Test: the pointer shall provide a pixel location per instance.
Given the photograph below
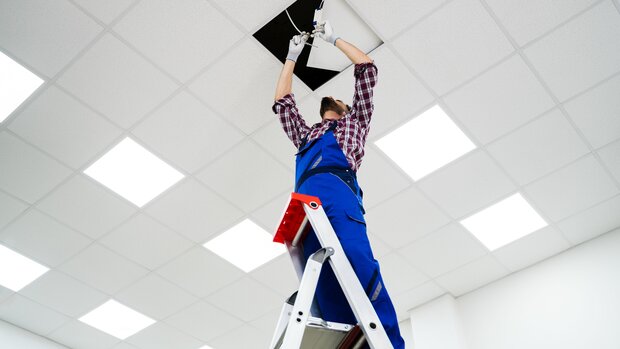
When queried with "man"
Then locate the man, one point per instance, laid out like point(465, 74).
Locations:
point(329, 154)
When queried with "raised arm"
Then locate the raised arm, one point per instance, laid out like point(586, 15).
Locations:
point(285, 82)
point(326, 32)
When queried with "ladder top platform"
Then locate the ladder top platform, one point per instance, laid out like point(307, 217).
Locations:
point(294, 217)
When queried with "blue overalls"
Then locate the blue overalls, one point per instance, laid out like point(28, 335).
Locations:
point(322, 170)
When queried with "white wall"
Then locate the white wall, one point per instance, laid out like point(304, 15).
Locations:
point(12, 337)
point(570, 301)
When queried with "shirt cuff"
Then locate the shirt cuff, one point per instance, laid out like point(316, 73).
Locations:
point(362, 67)
point(286, 101)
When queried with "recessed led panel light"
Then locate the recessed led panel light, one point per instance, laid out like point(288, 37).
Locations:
point(426, 143)
point(246, 245)
point(133, 172)
point(16, 84)
point(117, 320)
point(17, 271)
point(504, 222)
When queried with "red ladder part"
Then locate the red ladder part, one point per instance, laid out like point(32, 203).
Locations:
point(294, 216)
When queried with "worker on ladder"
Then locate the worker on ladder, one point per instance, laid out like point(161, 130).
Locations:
point(329, 155)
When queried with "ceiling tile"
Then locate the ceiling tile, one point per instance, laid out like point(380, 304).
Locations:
point(246, 299)
point(194, 211)
point(592, 222)
point(26, 172)
point(64, 294)
point(379, 179)
point(252, 14)
point(398, 275)
point(597, 113)
point(43, 239)
point(405, 218)
point(10, 208)
point(105, 10)
point(77, 334)
point(527, 20)
point(443, 250)
point(267, 322)
point(200, 272)
point(580, 53)
point(46, 35)
point(247, 176)
point(5, 293)
point(103, 269)
point(154, 28)
point(610, 155)
point(87, 207)
point(162, 336)
point(379, 247)
point(415, 297)
point(187, 133)
point(22, 312)
point(155, 297)
point(269, 215)
point(279, 275)
point(472, 276)
point(245, 336)
point(468, 184)
point(273, 140)
point(572, 189)
point(462, 40)
point(204, 321)
point(146, 242)
point(499, 100)
point(539, 148)
point(65, 128)
point(116, 81)
point(531, 249)
point(123, 345)
point(392, 16)
point(245, 87)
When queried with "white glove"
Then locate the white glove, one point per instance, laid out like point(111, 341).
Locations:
point(325, 31)
point(295, 46)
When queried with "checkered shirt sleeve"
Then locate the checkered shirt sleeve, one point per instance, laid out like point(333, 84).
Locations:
point(362, 105)
point(291, 120)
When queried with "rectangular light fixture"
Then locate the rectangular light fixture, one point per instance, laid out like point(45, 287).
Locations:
point(504, 222)
point(246, 245)
point(426, 143)
point(133, 172)
point(16, 84)
point(17, 271)
point(117, 320)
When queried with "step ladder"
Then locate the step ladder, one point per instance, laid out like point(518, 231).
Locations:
point(300, 325)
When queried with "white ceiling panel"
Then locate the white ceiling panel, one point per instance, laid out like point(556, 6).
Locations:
point(499, 100)
point(416, 297)
point(581, 53)
point(87, 207)
point(64, 294)
point(155, 297)
point(43, 239)
point(539, 148)
point(64, 128)
point(527, 20)
point(187, 133)
point(472, 276)
point(145, 241)
point(103, 269)
point(31, 316)
point(154, 28)
point(531, 248)
point(398, 275)
point(116, 81)
point(245, 336)
point(273, 140)
point(390, 17)
point(379, 247)
point(251, 14)
point(10, 208)
point(200, 272)
point(453, 45)
point(443, 250)
point(124, 345)
point(405, 218)
point(592, 222)
point(194, 211)
point(279, 275)
point(268, 178)
point(610, 155)
point(76, 334)
point(27, 172)
point(204, 321)
point(246, 299)
point(269, 215)
point(573, 188)
point(468, 184)
point(45, 34)
point(162, 336)
point(5, 293)
point(379, 179)
point(106, 11)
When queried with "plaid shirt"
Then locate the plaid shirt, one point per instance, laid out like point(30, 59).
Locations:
point(351, 130)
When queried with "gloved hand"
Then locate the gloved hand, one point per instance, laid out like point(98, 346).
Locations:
point(295, 46)
point(325, 31)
